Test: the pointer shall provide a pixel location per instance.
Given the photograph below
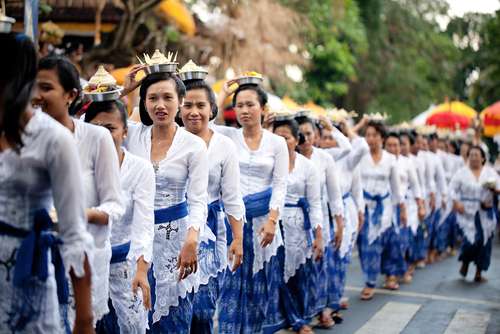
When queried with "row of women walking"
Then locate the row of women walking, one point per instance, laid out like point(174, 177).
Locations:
point(170, 222)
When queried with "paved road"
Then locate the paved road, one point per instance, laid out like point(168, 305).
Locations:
point(438, 301)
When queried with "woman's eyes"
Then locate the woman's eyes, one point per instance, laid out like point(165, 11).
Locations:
point(45, 88)
point(155, 98)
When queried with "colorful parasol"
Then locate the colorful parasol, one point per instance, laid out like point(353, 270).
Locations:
point(491, 120)
point(455, 107)
point(449, 120)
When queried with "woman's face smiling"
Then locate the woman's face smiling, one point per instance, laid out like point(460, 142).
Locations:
point(196, 111)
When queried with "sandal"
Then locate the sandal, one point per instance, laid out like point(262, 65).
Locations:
point(407, 278)
point(391, 284)
point(325, 321)
point(305, 330)
point(367, 293)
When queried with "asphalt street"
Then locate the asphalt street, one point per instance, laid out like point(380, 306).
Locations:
point(439, 301)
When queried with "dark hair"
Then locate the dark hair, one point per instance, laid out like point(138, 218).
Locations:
point(378, 127)
point(96, 108)
point(455, 145)
point(18, 68)
point(393, 134)
point(409, 135)
point(305, 120)
point(294, 129)
point(477, 147)
point(151, 79)
point(261, 94)
point(71, 47)
point(433, 136)
point(201, 84)
point(67, 74)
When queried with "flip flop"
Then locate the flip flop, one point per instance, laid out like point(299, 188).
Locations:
point(367, 294)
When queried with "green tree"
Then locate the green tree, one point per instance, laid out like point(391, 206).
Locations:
point(335, 39)
point(486, 89)
point(410, 63)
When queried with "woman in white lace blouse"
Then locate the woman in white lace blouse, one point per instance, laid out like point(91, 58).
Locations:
point(224, 198)
point(303, 238)
point(180, 161)
point(250, 291)
point(132, 236)
point(58, 82)
point(38, 168)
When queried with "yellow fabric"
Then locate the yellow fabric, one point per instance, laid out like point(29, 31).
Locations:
point(490, 130)
point(314, 108)
point(456, 107)
point(177, 12)
point(121, 73)
point(290, 104)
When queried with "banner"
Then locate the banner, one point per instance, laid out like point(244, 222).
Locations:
point(31, 19)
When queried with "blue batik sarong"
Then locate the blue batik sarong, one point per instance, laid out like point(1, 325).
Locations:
point(479, 253)
point(205, 299)
point(245, 296)
point(179, 317)
point(298, 296)
point(369, 255)
point(31, 270)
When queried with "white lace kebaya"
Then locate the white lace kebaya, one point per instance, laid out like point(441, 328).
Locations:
point(101, 184)
point(181, 176)
point(469, 191)
point(330, 190)
point(380, 179)
point(223, 185)
point(303, 182)
point(259, 170)
point(136, 228)
point(410, 190)
point(46, 172)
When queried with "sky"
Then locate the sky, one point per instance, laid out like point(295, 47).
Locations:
point(459, 7)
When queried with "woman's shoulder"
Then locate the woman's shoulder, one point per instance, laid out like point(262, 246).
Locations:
point(277, 141)
point(138, 164)
point(190, 140)
point(42, 128)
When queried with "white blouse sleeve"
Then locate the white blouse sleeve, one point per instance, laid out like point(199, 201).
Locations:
point(67, 190)
point(441, 179)
point(429, 175)
point(230, 184)
point(413, 181)
point(280, 173)
point(143, 219)
point(197, 195)
point(359, 149)
point(421, 177)
point(343, 145)
point(107, 176)
point(395, 183)
point(357, 190)
point(228, 131)
point(455, 187)
point(313, 195)
point(333, 188)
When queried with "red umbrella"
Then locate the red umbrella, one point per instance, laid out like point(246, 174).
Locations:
point(449, 120)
